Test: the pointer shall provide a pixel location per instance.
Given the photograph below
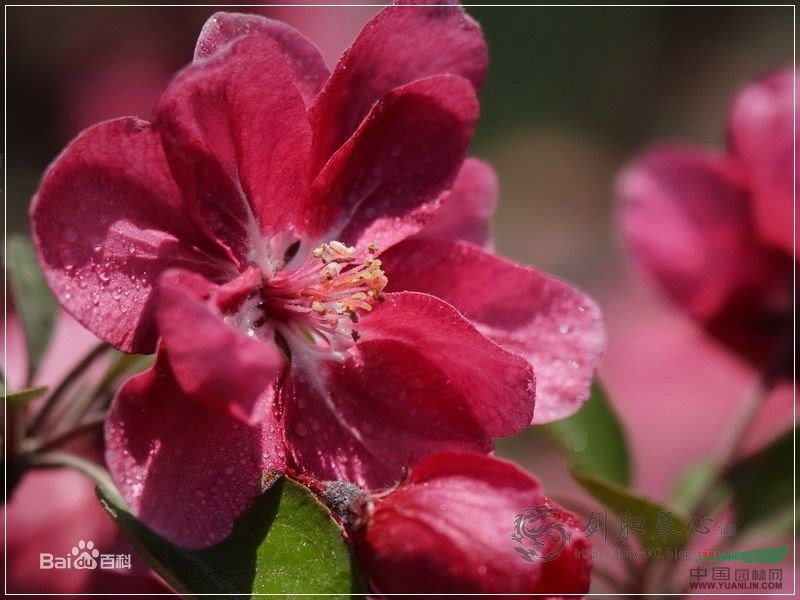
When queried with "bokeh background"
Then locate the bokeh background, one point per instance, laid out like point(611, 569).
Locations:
point(572, 93)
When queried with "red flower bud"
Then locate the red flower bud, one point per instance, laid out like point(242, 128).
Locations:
point(468, 523)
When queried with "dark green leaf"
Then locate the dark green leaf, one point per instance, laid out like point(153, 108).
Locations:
point(662, 527)
point(763, 483)
point(595, 439)
point(32, 299)
point(21, 397)
point(286, 543)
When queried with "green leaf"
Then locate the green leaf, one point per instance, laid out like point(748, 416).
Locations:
point(763, 482)
point(663, 527)
point(595, 439)
point(32, 299)
point(692, 483)
point(21, 397)
point(286, 543)
point(122, 365)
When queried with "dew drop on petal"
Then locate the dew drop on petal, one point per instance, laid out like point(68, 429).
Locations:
point(67, 257)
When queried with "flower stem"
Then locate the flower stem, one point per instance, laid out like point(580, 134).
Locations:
point(90, 423)
point(47, 460)
point(74, 374)
point(726, 455)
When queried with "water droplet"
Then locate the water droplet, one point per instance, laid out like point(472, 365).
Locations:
point(97, 246)
point(563, 328)
point(104, 276)
point(67, 296)
point(68, 258)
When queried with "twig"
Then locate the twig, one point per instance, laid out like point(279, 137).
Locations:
point(88, 424)
point(76, 371)
point(47, 460)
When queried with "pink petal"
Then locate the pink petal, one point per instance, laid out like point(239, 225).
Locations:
point(235, 131)
point(367, 420)
point(304, 58)
point(447, 529)
point(498, 385)
point(421, 379)
point(686, 219)
point(399, 45)
point(762, 138)
point(384, 182)
point(467, 208)
point(187, 470)
point(552, 324)
point(212, 361)
point(107, 219)
point(70, 512)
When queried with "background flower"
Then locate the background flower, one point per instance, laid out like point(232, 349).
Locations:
point(715, 230)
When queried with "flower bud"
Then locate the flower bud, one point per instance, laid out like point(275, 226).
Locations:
point(468, 523)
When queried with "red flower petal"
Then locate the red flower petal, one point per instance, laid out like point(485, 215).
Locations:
point(448, 529)
point(367, 420)
point(762, 138)
point(498, 385)
point(212, 361)
point(686, 218)
point(384, 182)
point(236, 134)
point(421, 379)
point(187, 470)
point(555, 326)
point(399, 45)
point(467, 208)
point(106, 221)
point(304, 58)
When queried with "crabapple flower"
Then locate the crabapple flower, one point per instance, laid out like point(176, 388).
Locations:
point(246, 233)
point(715, 229)
point(467, 523)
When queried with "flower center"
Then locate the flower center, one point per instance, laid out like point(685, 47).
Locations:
point(315, 308)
